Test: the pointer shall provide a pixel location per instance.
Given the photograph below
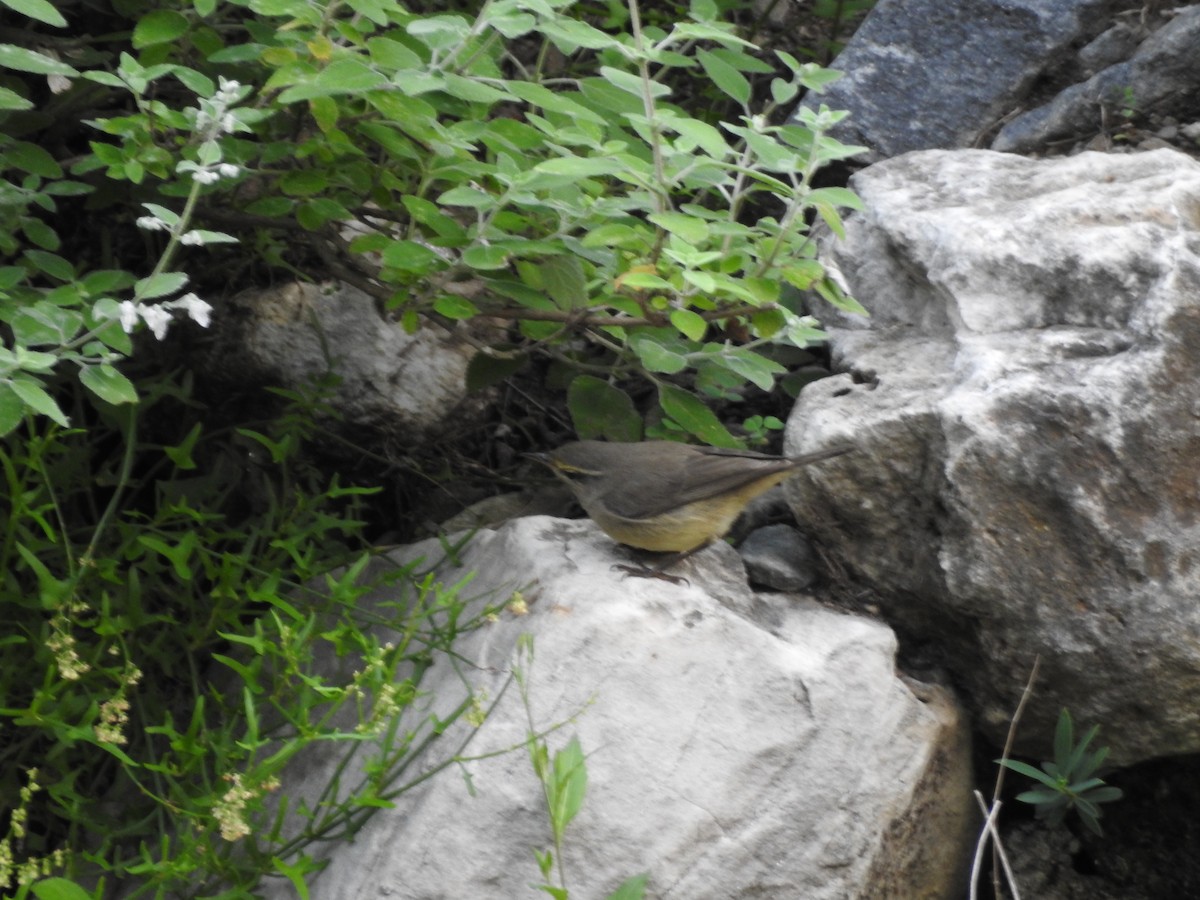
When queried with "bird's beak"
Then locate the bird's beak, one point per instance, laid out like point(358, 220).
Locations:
point(543, 458)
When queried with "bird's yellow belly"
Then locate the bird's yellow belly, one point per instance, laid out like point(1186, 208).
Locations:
point(676, 531)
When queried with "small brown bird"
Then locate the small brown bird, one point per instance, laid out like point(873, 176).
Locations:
point(665, 496)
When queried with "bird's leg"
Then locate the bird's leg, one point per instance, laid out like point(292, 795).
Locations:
point(658, 571)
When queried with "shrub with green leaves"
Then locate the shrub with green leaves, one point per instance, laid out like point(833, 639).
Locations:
point(519, 165)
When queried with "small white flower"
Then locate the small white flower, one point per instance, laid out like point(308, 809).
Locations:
point(198, 311)
point(227, 89)
point(192, 239)
point(152, 223)
point(129, 316)
point(228, 170)
point(157, 318)
point(228, 123)
point(205, 176)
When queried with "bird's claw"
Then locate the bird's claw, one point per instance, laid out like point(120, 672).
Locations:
point(648, 572)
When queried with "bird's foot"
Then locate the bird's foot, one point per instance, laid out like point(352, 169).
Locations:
point(648, 572)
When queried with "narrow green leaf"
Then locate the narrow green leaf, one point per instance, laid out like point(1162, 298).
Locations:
point(633, 84)
point(1028, 770)
point(52, 265)
point(31, 158)
point(580, 166)
point(12, 409)
point(181, 454)
point(1064, 737)
point(36, 398)
point(14, 57)
point(550, 101)
point(41, 10)
point(725, 76)
point(693, 416)
point(11, 100)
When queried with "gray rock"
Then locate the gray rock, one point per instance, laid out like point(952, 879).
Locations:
point(1163, 69)
point(779, 557)
point(1025, 402)
point(925, 74)
point(737, 744)
point(391, 380)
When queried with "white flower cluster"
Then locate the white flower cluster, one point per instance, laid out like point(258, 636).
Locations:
point(213, 117)
point(158, 317)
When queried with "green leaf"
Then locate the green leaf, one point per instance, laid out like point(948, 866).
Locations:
point(756, 369)
point(473, 91)
point(485, 370)
point(162, 26)
point(691, 229)
point(31, 158)
point(161, 285)
point(1028, 770)
point(569, 786)
point(570, 34)
point(693, 416)
point(1064, 737)
point(41, 10)
point(580, 166)
point(108, 384)
point(633, 84)
point(725, 76)
point(36, 398)
point(554, 102)
point(342, 76)
point(600, 410)
point(691, 324)
point(783, 91)
point(631, 888)
point(410, 256)
point(657, 358)
point(11, 100)
point(12, 409)
point(181, 454)
point(59, 888)
point(34, 360)
point(467, 196)
point(564, 282)
point(13, 57)
point(485, 258)
point(52, 265)
point(454, 307)
point(701, 134)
